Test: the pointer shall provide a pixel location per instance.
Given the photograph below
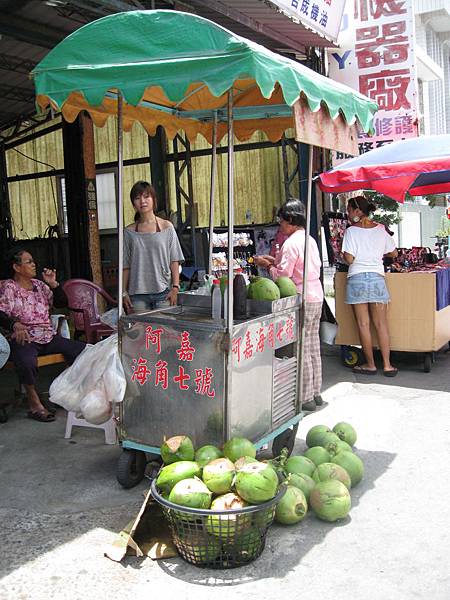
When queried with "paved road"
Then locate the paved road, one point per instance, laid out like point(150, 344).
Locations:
point(60, 506)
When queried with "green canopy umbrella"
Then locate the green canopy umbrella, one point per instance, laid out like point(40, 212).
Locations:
point(174, 69)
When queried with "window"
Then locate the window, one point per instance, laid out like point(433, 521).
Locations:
point(106, 201)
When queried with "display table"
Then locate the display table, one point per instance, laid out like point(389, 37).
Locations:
point(415, 324)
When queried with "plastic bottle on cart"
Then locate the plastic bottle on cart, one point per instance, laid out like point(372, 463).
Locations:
point(216, 300)
point(239, 297)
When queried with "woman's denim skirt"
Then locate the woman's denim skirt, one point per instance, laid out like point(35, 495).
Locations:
point(364, 288)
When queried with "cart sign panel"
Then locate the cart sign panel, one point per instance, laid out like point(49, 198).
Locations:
point(323, 16)
point(377, 59)
point(175, 380)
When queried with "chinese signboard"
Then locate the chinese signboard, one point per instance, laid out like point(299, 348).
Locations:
point(179, 377)
point(377, 59)
point(323, 16)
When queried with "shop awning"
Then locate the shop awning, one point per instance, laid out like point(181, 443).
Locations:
point(174, 69)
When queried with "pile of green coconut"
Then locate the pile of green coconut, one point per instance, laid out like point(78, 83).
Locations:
point(232, 478)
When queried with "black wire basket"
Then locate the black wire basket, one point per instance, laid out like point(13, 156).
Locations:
point(218, 539)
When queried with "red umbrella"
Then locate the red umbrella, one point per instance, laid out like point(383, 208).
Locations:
point(418, 166)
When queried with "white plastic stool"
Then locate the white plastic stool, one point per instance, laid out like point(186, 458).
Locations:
point(109, 427)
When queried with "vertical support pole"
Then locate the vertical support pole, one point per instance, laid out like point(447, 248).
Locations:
point(229, 289)
point(120, 195)
point(212, 192)
point(230, 212)
point(305, 277)
point(191, 203)
point(6, 234)
point(88, 149)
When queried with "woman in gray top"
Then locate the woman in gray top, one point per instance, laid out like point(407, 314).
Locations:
point(152, 254)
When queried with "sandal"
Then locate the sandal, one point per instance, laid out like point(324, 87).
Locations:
point(41, 416)
point(390, 372)
point(362, 371)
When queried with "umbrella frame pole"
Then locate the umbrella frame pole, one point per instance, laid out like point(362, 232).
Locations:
point(229, 289)
point(301, 372)
point(120, 195)
point(212, 191)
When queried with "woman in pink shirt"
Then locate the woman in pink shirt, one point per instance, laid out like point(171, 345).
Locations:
point(289, 263)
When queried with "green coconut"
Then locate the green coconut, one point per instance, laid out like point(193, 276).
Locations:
point(172, 474)
point(326, 471)
point(314, 435)
point(237, 447)
point(206, 454)
point(330, 500)
point(334, 447)
point(244, 460)
point(327, 438)
point(218, 475)
point(352, 464)
point(179, 447)
point(286, 286)
point(292, 507)
point(191, 493)
point(256, 483)
point(302, 482)
point(345, 432)
point(226, 526)
point(318, 455)
point(265, 289)
point(300, 464)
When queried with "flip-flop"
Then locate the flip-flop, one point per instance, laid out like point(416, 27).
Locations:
point(41, 416)
point(362, 371)
point(390, 372)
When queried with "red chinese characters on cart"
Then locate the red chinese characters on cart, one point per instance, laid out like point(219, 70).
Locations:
point(180, 375)
point(245, 346)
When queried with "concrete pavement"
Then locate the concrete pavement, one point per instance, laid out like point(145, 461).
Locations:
point(60, 506)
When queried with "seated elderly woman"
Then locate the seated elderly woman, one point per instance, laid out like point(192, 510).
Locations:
point(25, 304)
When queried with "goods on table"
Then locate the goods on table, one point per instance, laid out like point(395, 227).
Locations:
point(287, 287)
point(263, 288)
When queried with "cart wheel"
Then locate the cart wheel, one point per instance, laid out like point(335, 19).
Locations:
point(131, 468)
point(427, 363)
point(286, 439)
point(351, 356)
point(3, 414)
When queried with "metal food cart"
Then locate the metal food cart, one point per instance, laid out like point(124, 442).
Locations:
point(180, 71)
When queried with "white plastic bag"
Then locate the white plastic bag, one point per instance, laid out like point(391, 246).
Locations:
point(95, 408)
point(97, 367)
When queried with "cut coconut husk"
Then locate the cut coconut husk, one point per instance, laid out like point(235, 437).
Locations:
point(256, 483)
point(179, 447)
point(218, 475)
